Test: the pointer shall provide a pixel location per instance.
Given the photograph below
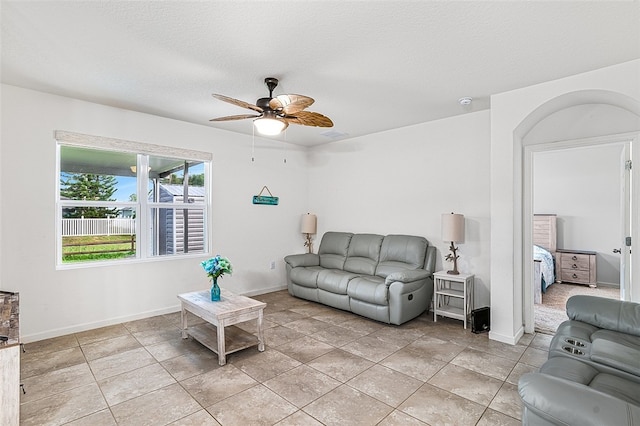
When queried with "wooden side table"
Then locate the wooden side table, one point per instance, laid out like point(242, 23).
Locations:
point(446, 287)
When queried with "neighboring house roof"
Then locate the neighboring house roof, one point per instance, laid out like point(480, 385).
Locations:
point(176, 190)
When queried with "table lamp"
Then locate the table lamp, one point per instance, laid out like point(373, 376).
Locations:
point(453, 230)
point(309, 226)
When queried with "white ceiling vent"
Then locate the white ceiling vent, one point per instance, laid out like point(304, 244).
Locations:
point(334, 134)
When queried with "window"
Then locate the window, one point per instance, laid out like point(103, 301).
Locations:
point(127, 200)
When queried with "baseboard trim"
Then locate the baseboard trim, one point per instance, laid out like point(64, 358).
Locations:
point(511, 340)
point(265, 290)
point(78, 328)
point(28, 338)
point(610, 285)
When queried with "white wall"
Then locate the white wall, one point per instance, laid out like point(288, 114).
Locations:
point(582, 186)
point(56, 302)
point(401, 181)
point(512, 114)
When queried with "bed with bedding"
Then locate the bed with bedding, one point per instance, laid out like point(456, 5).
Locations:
point(544, 253)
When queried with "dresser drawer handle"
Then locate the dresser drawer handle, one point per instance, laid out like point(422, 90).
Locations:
point(574, 266)
point(574, 276)
point(574, 257)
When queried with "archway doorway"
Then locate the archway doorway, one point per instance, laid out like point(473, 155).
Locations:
point(581, 184)
point(570, 114)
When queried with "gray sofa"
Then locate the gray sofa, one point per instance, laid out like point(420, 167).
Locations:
point(592, 376)
point(385, 278)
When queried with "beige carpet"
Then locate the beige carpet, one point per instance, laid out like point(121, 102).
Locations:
point(551, 312)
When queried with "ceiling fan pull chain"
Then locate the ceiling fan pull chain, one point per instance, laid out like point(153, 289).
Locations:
point(253, 143)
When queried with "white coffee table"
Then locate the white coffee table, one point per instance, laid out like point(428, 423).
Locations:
point(231, 309)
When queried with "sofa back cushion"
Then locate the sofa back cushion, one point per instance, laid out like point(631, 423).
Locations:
point(401, 253)
point(333, 249)
point(611, 314)
point(363, 254)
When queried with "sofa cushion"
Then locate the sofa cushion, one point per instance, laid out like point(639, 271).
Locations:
point(617, 350)
point(363, 254)
point(569, 392)
point(611, 314)
point(569, 369)
point(401, 252)
point(306, 276)
point(334, 280)
point(333, 249)
point(617, 387)
point(578, 372)
point(369, 289)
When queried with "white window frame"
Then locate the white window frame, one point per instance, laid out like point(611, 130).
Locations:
point(142, 206)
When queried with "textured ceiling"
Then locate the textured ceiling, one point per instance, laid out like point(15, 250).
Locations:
point(370, 65)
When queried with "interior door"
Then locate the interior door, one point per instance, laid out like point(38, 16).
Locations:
point(625, 244)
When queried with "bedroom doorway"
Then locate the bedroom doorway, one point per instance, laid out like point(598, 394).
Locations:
point(600, 219)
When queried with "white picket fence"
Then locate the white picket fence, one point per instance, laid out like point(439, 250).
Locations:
point(78, 227)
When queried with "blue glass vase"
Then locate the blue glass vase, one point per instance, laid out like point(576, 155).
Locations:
point(215, 291)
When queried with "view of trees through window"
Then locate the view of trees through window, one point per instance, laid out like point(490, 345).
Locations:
point(86, 186)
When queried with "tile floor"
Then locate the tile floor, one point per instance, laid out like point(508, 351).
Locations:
point(321, 366)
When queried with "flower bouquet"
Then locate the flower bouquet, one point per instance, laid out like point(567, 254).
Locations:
point(216, 267)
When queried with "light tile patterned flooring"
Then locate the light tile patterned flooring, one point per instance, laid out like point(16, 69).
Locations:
point(321, 366)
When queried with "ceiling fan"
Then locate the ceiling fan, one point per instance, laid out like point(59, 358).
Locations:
point(275, 114)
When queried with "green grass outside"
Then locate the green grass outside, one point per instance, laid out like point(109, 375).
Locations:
point(102, 247)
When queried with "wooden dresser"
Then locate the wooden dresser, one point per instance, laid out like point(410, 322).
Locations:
point(576, 266)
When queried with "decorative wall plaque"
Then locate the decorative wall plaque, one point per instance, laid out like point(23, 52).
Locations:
point(269, 200)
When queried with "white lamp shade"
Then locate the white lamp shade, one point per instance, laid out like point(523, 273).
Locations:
point(309, 223)
point(453, 227)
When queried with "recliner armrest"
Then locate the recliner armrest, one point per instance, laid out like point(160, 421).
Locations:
point(430, 260)
point(559, 401)
point(611, 314)
point(407, 276)
point(307, 259)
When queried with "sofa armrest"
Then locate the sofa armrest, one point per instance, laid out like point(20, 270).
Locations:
point(610, 314)
point(307, 259)
point(407, 276)
point(552, 400)
point(409, 281)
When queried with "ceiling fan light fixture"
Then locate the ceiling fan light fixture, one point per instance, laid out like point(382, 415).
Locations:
point(269, 125)
point(275, 114)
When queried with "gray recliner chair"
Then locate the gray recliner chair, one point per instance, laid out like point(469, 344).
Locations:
point(592, 376)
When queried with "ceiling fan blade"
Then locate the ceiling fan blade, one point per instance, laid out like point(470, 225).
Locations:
point(234, 117)
point(308, 118)
point(290, 104)
point(237, 102)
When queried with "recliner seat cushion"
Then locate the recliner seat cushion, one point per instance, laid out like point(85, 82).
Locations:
point(401, 252)
point(369, 289)
point(306, 276)
point(334, 280)
point(579, 372)
point(617, 387)
point(363, 254)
